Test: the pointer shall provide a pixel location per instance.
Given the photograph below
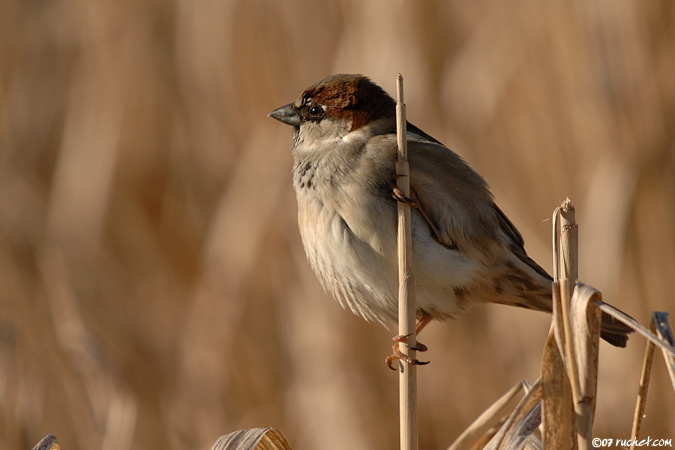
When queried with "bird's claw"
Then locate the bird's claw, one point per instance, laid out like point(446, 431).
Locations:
point(399, 355)
point(398, 195)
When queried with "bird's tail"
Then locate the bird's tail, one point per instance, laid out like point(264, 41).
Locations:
point(528, 285)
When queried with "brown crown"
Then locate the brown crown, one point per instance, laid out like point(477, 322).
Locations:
point(352, 97)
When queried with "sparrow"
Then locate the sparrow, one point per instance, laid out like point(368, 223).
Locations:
point(465, 250)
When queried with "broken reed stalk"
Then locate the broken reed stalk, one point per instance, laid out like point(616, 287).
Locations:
point(486, 418)
point(586, 322)
point(406, 293)
point(569, 273)
point(576, 332)
point(665, 333)
point(627, 320)
point(570, 361)
point(253, 439)
point(659, 327)
point(643, 388)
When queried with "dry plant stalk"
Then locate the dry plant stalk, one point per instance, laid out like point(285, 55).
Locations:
point(567, 390)
point(665, 333)
point(643, 389)
point(569, 402)
point(487, 417)
point(253, 439)
point(516, 431)
point(406, 301)
point(570, 360)
point(585, 321)
point(627, 320)
point(557, 423)
point(48, 442)
point(567, 251)
point(567, 424)
point(521, 424)
point(557, 415)
point(660, 325)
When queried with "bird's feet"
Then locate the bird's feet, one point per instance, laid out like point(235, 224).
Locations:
point(398, 195)
point(399, 355)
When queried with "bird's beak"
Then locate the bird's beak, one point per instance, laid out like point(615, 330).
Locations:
point(286, 114)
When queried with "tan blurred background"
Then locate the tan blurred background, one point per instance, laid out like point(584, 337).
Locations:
point(153, 287)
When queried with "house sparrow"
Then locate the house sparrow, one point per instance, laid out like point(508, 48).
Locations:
point(465, 250)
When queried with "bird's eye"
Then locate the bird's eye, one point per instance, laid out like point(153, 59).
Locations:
point(315, 110)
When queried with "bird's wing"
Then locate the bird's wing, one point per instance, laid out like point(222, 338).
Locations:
point(518, 243)
point(451, 196)
point(457, 203)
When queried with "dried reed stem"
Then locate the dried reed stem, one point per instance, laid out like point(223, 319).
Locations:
point(406, 294)
point(665, 333)
point(643, 389)
point(569, 247)
point(658, 327)
point(487, 417)
point(626, 319)
point(521, 423)
point(558, 425)
point(577, 346)
point(48, 442)
point(253, 439)
point(585, 319)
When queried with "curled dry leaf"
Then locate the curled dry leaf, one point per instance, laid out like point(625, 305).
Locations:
point(253, 439)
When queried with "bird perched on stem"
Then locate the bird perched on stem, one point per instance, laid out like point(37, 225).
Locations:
point(465, 250)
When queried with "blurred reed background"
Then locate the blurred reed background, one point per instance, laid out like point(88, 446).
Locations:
point(154, 291)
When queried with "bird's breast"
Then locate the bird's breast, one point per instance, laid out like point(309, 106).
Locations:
point(353, 256)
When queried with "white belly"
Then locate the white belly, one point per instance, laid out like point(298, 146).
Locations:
point(357, 263)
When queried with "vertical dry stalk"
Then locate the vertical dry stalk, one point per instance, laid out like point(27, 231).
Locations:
point(568, 277)
point(659, 326)
point(585, 321)
point(406, 302)
point(569, 402)
point(580, 326)
point(643, 389)
point(556, 417)
point(665, 333)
